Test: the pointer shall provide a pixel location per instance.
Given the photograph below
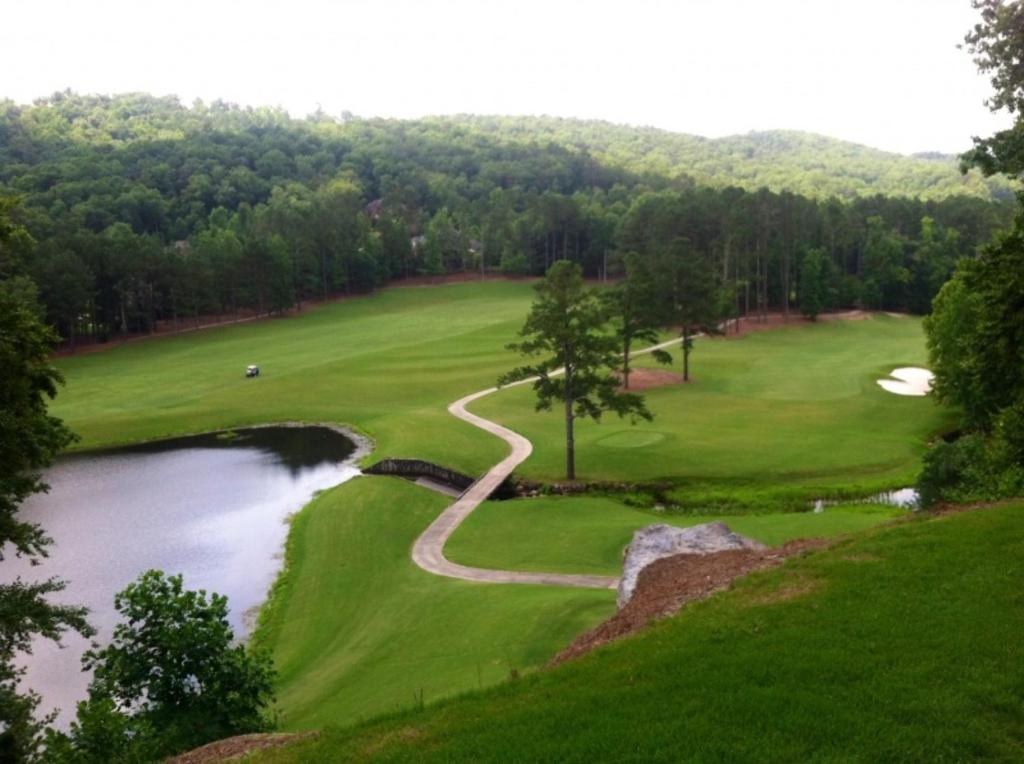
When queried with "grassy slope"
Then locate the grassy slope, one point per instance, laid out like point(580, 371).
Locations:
point(588, 535)
point(793, 406)
point(377, 362)
point(902, 645)
point(354, 608)
point(356, 629)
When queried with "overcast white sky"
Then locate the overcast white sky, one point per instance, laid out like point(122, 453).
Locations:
point(886, 73)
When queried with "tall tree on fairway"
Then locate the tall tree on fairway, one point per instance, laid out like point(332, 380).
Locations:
point(690, 294)
point(633, 309)
point(565, 331)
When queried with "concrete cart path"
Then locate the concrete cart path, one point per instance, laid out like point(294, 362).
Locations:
point(428, 550)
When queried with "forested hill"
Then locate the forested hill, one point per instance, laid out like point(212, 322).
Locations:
point(39, 142)
point(780, 160)
point(140, 210)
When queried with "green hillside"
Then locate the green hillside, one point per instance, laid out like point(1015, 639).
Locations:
point(356, 629)
point(812, 165)
point(901, 645)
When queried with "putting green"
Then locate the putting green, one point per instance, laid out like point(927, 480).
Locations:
point(630, 439)
point(792, 408)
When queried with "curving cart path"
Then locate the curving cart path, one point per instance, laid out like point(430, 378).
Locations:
point(428, 549)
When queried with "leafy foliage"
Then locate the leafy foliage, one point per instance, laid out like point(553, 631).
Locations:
point(170, 679)
point(566, 326)
point(29, 440)
point(151, 215)
point(976, 332)
point(635, 311)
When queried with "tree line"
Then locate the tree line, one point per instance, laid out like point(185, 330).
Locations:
point(976, 332)
point(145, 213)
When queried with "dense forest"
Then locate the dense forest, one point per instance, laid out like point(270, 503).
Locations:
point(141, 210)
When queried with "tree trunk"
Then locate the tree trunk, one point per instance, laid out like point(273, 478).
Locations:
point(570, 444)
point(323, 273)
point(686, 354)
point(785, 284)
point(625, 363)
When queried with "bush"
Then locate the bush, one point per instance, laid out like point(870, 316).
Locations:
point(972, 468)
point(514, 264)
point(171, 679)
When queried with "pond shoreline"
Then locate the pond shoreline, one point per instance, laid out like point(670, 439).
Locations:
point(214, 508)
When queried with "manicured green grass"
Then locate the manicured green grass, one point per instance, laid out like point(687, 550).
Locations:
point(356, 629)
point(902, 645)
point(589, 534)
point(387, 363)
point(785, 413)
point(796, 406)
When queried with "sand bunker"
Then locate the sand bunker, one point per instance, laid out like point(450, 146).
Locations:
point(909, 380)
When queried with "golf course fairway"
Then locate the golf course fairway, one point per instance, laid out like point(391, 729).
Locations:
point(770, 421)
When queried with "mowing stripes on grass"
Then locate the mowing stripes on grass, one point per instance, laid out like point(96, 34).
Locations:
point(356, 629)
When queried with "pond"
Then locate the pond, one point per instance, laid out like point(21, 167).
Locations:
point(212, 507)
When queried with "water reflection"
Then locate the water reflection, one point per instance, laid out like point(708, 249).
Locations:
point(210, 507)
point(905, 498)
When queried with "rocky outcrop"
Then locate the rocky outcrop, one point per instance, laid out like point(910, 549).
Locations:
point(657, 541)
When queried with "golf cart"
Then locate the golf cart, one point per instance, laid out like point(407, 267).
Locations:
point(252, 371)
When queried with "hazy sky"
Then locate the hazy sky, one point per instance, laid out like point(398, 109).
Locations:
point(886, 73)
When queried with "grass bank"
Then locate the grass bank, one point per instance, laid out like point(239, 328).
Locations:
point(356, 629)
point(903, 644)
point(588, 534)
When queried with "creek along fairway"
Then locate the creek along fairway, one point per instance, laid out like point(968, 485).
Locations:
point(208, 507)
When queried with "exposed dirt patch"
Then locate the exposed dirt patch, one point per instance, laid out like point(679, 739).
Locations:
point(753, 323)
point(645, 379)
point(947, 508)
point(236, 747)
point(667, 584)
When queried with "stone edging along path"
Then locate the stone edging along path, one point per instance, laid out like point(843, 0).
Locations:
point(428, 549)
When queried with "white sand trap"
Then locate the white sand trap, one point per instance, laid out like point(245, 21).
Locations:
point(909, 380)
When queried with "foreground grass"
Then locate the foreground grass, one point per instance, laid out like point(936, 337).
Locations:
point(797, 406)
point(902, 645)
point(356, 629)
point(589, 534)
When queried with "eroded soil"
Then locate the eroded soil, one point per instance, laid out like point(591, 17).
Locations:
point(667, 584)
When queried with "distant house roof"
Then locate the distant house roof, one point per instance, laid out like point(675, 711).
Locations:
point(374, 207)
